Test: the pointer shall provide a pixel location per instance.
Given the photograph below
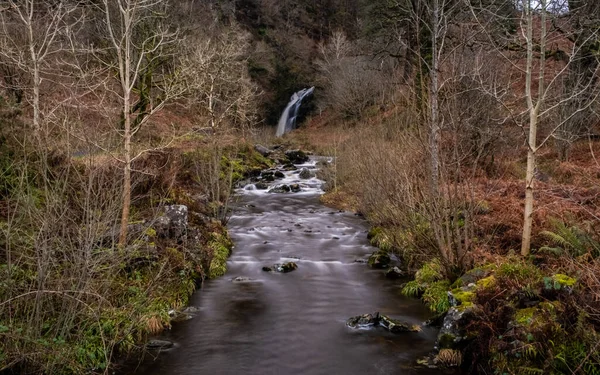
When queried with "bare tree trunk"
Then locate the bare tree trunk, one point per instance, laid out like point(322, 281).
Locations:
point(534, 110)
point(433, 97)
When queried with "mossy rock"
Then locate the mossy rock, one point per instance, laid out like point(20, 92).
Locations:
point(379, 259)
point(487, 282)
point(397, 326)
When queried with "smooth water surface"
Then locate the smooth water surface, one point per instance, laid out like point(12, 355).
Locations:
point(294, 323)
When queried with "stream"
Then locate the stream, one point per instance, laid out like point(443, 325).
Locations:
point(256, 322)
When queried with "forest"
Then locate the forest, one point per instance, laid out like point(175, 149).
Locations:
point(465, 132)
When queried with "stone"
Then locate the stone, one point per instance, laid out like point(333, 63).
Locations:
point(279, 174)
point(158, 344)
point(379, 259)
point(396, 326)
point(296, 156)
point(173, 224)
point(280, 189)
point(262, 150)
point(261, 186)
point(453, 332)
point(268, 176)
point(305, 174)
point(393, 273)
point(283, 268)
point(295, 188)
point(364, 320)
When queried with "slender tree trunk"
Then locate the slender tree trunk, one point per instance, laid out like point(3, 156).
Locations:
point(534, 110)
point(433, 98)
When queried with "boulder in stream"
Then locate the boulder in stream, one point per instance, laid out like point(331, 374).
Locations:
point(283, 268)
point(159, 344)
point(393, 273)
point(305, 174)
point(280, 189)
point(374, 320)
point(379, 259)
point(279, 174)
point(296, 156)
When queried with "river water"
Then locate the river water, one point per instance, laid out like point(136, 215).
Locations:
point(294, 323)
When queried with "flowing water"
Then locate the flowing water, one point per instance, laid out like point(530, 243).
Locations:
point(287, 121)
point(294, 323)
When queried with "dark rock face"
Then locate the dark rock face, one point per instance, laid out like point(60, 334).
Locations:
point(173, 224)
point(278, 174)
point(261, 186)
point(384, 321)
point(158, 344)
point(283, 268)
point(379, 259)
point(453, 331)
point(393, 273)
point(262, 150)
point(268, 176)
point(296, 156)
point(295, 188)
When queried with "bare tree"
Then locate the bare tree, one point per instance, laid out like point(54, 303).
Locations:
point(216, 76)
point(33, 32)
point(525, 54)
point(139, 48)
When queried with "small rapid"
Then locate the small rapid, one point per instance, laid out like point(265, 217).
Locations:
point(256, 322)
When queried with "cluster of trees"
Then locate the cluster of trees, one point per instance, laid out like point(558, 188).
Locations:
point(470, 71)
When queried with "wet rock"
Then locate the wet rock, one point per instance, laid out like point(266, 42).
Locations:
point(241, 279)
point(384, 321)
point(262, 150)
point(364, 320)
point(289, 167)
point(278, 174)
point(158, 344)
point(379, 259)
point(305, 174)
point(261, 186)
point(296, 156)
point(396, 326)
point(295, 188)
point(393, 273)
point(360, 260)
point(280, 189)
point(283, 268)
point(268, 176)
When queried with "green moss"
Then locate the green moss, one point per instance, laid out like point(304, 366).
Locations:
point(524, 317)
point(150, 232)
point(487, 282)
point(519, 270)
point(564, 280)
point(221, 246)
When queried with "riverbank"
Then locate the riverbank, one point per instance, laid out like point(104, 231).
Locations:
point(95, 302)
point(498, 311)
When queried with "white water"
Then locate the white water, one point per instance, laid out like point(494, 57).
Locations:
point(287, 121)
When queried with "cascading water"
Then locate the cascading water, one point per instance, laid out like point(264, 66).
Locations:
point(287, 122)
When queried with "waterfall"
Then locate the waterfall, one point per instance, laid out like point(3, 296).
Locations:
point(287, 122)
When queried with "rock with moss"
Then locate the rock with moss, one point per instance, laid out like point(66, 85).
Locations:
point(397, 326)
point(393, 273)
point(159, 345)
point(379, 259)
point(282, 268)
point(453, 332)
